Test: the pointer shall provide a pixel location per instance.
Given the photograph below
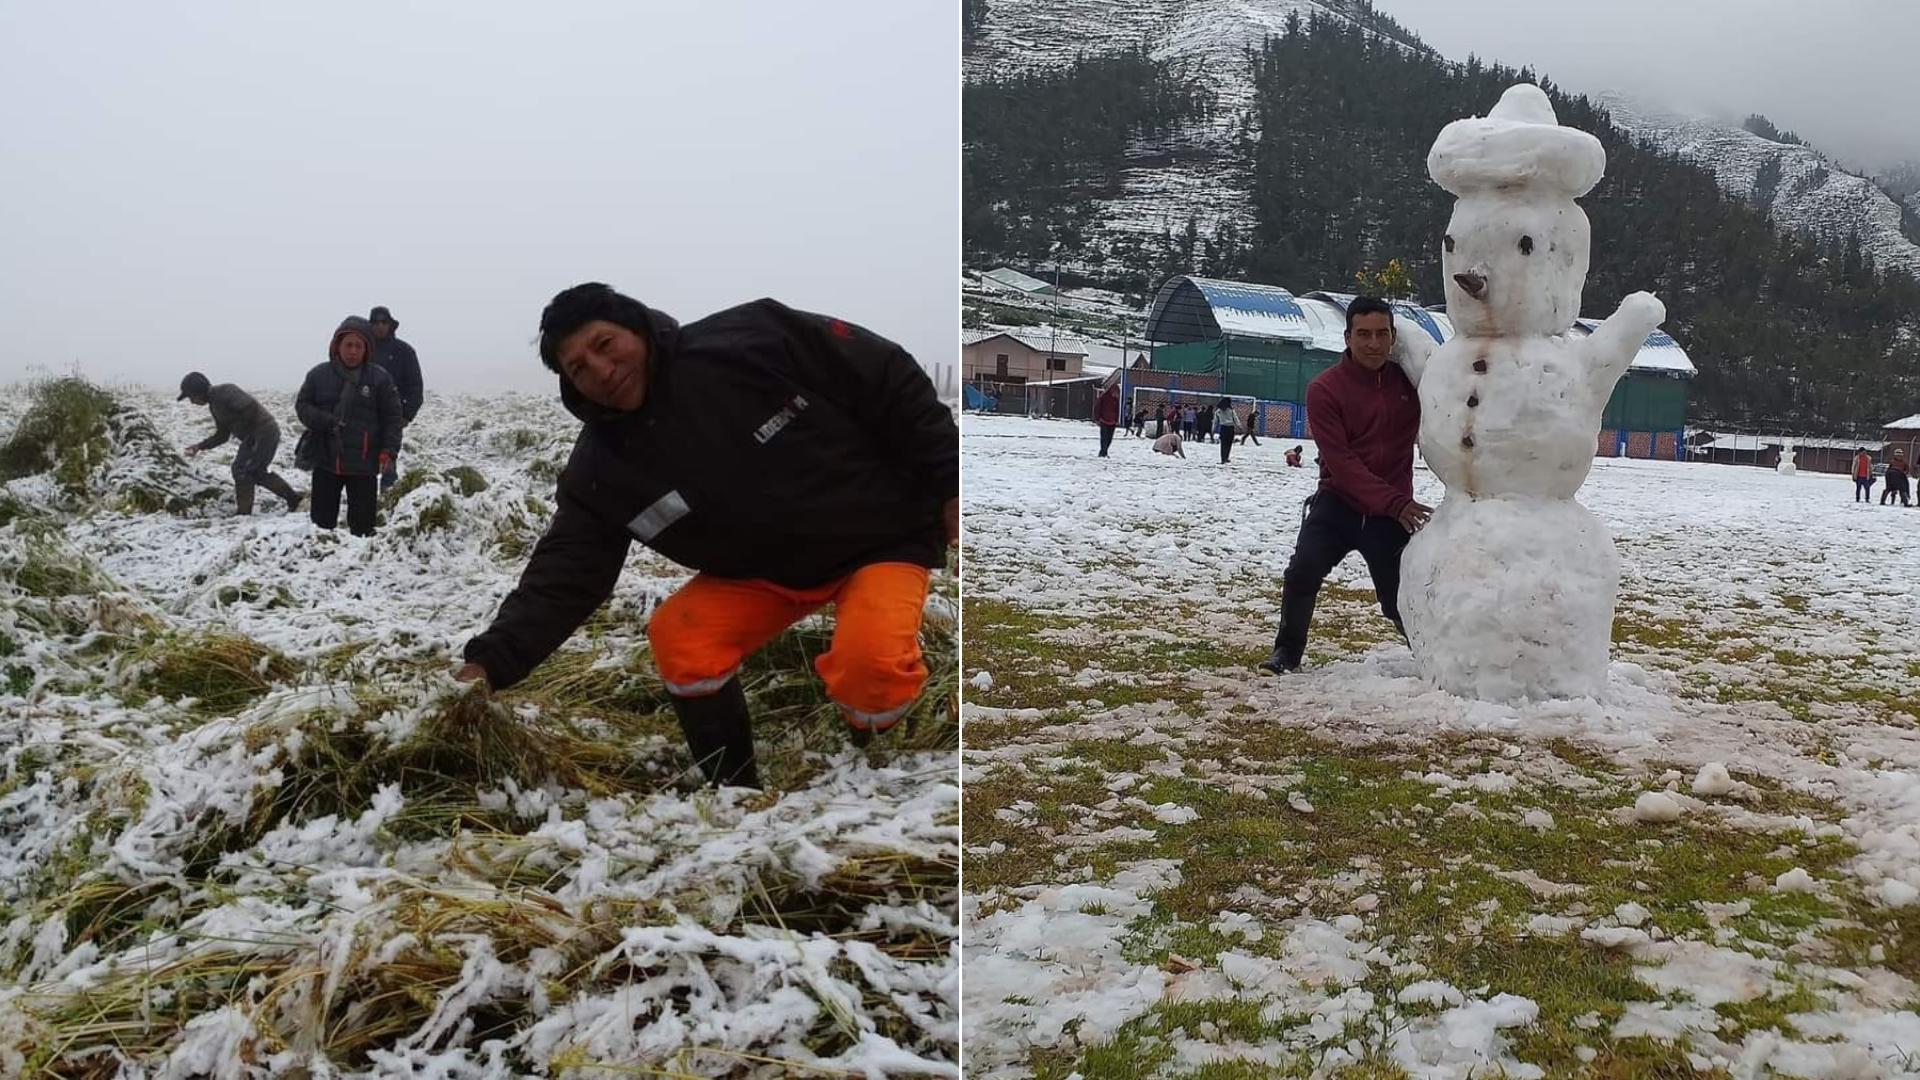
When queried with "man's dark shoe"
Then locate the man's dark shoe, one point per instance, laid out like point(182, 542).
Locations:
point(1276, 665)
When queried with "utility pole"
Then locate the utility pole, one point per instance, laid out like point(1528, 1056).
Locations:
point(1053, 326)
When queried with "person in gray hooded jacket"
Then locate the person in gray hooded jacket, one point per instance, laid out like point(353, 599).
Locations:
point(351, 410)
point(237, 415)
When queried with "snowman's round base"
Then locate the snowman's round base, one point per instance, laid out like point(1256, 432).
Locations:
point(1786, 468)
point(1509, 600)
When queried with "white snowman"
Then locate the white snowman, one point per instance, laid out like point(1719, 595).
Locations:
point(1786, 466)
point(1508, 592)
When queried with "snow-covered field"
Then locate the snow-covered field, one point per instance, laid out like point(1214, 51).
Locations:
point(1178, 867)
point(250, 827)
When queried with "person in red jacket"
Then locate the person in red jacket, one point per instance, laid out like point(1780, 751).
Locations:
point(1365, 416)
point(1862, 476)
point(1106, 413)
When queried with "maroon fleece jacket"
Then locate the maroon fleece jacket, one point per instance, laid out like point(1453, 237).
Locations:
point(1365, 423)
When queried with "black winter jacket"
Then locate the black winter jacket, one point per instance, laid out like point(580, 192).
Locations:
point(371, 425)
point(403, 364)
point(772, 443)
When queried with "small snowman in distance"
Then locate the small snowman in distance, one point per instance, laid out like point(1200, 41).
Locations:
point(1786, 466)
point(1508, 592)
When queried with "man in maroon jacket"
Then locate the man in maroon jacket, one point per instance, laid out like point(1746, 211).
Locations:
point(1106, 413)
point(1365, 416)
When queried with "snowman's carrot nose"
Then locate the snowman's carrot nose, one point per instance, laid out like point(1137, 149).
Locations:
point(1473, 283)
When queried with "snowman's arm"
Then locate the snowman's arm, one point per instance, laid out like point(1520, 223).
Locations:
point(1412, 345)
point(1615, 343)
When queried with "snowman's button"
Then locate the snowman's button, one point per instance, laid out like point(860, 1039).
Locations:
point(1480, 366)
point(1473, 400)
point(1466, 441)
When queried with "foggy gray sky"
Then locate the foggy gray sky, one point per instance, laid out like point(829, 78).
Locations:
point(215, 185)
point(1840, 73)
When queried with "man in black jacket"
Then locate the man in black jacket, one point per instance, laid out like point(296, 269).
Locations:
point(793, 460)
point(401, 362)
point(352, 415)
point(237, 415)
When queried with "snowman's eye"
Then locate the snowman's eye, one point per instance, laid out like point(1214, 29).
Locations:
point(1526, 245)
point(1449, 241)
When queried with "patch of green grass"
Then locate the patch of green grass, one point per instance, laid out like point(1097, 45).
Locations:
point(1634, 627)
point(518, 440)
point(252, 592)
point(1434, 873)
point(1115, 755)
point(1025, 858)
point(51, 569)
point(436, 516)
point(1768, 1013)
point(11, 509)
point(546, 468)
point(465, 480)
point(472, 744)
point(406, 485)
point(65, 429)
point(1034, 662)
point(1374, 1068)
point(223, 673)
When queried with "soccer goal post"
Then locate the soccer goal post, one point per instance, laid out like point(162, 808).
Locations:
point(1261, 416)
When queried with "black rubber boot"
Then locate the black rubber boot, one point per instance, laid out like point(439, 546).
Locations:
point(720, 735)
point(280, 487)
point(243, 498)
point(1279, 665)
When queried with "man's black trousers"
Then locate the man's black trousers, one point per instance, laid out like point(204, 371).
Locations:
point(1333, 530)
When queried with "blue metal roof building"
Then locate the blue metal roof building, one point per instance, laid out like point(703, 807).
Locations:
point(1244, 339)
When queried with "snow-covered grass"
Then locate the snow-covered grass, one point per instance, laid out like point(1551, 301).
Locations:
point(1178, 867)
point(250, 827)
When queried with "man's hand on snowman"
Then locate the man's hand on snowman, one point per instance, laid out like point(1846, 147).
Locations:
point(1414, 515)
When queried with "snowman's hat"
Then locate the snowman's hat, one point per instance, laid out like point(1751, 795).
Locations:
point(1519, 144)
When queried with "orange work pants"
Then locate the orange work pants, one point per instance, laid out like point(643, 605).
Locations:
point(873, 669)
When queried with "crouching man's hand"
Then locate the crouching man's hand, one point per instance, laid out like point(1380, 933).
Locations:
point(471, 673)
point(1414, 515)
point(950, 514)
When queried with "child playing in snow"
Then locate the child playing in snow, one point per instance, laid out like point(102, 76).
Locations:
point(1168, 444)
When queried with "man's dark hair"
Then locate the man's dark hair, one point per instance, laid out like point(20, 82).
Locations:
point(576, 307)
point(1369, 305)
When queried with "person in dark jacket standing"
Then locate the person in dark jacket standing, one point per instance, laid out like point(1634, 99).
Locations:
point(1106, 413)
point(237, 415)
point(1366, 418)
point(1897, 475)
point(401, 362)
point(791, 459)
point(351, 410)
